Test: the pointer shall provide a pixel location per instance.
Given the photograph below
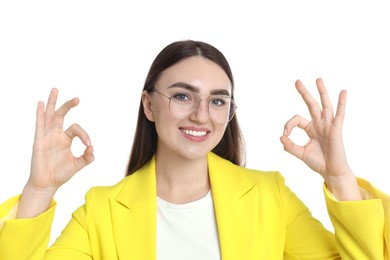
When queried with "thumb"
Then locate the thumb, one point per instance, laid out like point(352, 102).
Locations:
point(86, 158)
point(291, 147)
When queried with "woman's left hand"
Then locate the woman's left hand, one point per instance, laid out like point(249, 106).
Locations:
point(324, 152)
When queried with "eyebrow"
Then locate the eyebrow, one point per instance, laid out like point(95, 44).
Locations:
point(194, 89)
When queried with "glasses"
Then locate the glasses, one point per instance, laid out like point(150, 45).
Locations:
point(183, 104)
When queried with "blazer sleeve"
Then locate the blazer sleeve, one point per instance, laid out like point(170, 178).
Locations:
point(305, 236)
point(27, 239)
point(74, 242)
point(24, 239)
point(361, 227)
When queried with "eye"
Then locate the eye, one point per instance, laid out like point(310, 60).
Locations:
point(218, 101)
point(182, 97)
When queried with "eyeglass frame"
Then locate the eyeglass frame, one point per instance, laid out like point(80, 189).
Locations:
point(233, 103)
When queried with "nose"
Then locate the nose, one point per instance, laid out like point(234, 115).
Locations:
point(201, 113)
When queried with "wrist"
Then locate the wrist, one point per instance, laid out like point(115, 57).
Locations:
point(34, 202)
point(344, 188)
point(39, 190)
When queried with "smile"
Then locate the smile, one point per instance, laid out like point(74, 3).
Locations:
point(193, 132)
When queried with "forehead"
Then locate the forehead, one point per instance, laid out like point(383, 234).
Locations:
point(197, 71)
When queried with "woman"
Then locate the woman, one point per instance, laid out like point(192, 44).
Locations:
point(187, 194)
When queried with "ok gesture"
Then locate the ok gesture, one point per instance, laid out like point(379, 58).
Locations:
point(53, 162)
point(324, 152)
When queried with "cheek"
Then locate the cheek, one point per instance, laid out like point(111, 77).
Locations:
point(163, 120)
point(158, 109)
point(161, 114)
point(219, 131)
point(220, 128)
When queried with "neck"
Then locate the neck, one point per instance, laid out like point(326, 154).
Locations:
point(181, 180)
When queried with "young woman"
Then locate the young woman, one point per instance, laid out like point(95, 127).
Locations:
point(186, 194)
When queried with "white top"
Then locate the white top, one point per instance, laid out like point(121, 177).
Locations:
point(187, 231)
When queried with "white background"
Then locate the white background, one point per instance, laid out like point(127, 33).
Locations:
point(100, 51)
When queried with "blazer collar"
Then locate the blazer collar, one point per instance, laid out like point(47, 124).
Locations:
point(133, 213)
point(235, 199)
point(134, 210)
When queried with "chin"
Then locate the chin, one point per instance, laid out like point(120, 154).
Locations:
point(194, 155)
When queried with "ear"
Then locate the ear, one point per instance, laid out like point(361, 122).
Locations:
point(147, 105)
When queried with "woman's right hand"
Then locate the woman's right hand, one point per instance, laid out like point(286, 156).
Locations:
point(53, 162)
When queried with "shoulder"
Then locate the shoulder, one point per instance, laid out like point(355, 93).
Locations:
point(257, 174)
point(257, 177)
point(133, 189)
point(261, 178)
point(110, 191)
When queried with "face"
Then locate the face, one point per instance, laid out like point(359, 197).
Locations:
point(193, 136)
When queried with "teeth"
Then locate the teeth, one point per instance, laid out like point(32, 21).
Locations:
point(194, 133)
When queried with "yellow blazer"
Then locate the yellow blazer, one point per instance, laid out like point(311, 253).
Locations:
point(257, 216)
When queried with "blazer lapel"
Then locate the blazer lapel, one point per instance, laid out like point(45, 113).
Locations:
point(133, 213)
point(236, 214)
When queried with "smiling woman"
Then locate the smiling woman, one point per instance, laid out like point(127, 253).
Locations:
point(187, 193)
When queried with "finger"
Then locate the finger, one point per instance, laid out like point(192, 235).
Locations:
point(84, 159)
point(63, 110)
point(77, 131)
point(295, 121)
point(40, 121)
point(87, 157)
point(327, 108)
point(341, 106)
point(50, 108)
point(290, 147)
point(314, 109)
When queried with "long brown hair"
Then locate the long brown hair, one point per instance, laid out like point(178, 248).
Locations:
point(231, 146)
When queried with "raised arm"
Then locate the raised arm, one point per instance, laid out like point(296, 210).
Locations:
point(53, 162)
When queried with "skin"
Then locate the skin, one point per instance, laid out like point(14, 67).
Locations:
point(181, 160)
point(52, 162)
point(324, 153)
